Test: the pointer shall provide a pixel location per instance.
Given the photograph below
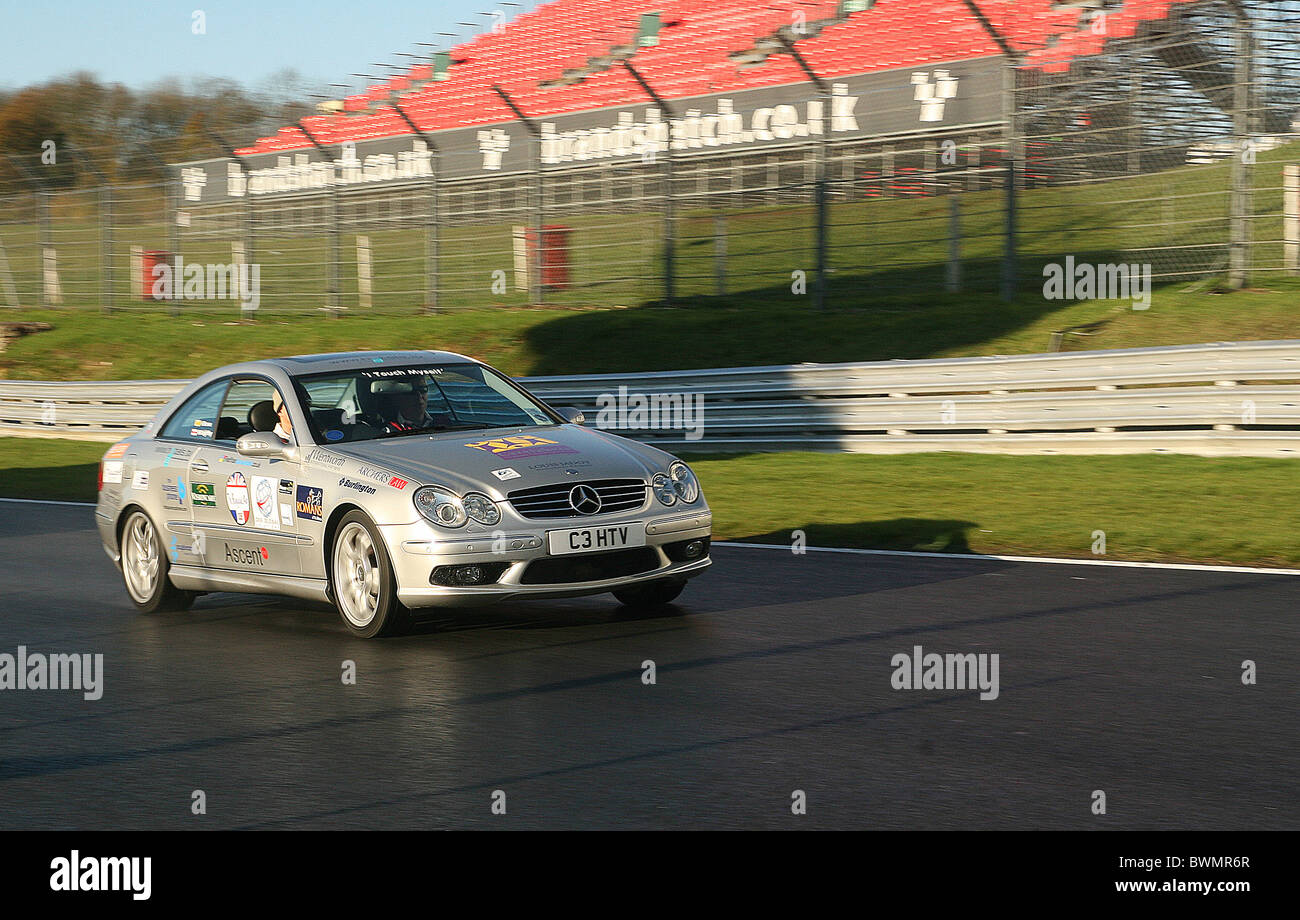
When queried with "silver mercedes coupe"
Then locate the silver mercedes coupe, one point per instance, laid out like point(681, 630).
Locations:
point(386, 482)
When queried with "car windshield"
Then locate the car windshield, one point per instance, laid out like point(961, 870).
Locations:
point(366, 404)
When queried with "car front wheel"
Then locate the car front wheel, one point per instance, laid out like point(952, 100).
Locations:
point(651, 594)
point(145, 567)
point(361, 576)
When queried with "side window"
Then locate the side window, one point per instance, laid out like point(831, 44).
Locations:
point(249, 406)
point(196, 419)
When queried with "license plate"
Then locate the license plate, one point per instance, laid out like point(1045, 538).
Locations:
point(595, 539)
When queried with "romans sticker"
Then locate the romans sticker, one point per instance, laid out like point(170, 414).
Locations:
point(311, 503)
point(237, 497)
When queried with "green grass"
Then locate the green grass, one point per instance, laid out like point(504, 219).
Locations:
point(710, 333)
point(56, 469)
point(886, 290)
point(1166, 508)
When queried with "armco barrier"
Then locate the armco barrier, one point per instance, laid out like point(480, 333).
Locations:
point(1224, 399)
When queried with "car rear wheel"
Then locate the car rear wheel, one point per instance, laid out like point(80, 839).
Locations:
point(651, 594)
point(361, 576)
point(145, 567)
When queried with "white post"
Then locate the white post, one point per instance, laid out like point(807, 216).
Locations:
point(363, 271)
point(53, 290)
point(521, 258)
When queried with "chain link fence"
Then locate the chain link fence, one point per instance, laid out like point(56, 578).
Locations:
point(1170, 148)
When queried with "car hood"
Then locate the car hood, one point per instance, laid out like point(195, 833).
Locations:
point(526, 457)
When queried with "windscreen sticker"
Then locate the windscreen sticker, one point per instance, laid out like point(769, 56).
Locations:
point(112, 471)
point(265, 507)
point(521, 446)
point(237, 497)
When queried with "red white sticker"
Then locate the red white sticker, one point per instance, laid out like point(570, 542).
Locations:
point(397, 482)
point(237, 497)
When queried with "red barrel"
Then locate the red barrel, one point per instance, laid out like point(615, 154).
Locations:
point(148, 259)
point(554, 262)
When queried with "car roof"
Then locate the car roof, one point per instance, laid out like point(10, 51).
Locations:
point(350, 361)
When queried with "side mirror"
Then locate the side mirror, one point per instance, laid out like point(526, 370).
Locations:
point(262, 444)
point(572, 416)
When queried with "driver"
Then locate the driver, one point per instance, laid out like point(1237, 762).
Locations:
point(410, 405)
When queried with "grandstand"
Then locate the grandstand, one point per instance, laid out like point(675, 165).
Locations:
point(561, 57)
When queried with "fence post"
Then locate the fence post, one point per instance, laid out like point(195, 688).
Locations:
point(45, 244)
point(539, 203)
point(1010, 270)
point(1243, 160)
point(172, 216)
point(953, 280)
point(106, 243)
point(431, 239)
point(1291, 218)
point(720, 254)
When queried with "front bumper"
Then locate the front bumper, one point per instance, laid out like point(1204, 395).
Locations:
point(417, 549)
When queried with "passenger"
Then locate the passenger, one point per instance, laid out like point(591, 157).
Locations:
point(283, 424)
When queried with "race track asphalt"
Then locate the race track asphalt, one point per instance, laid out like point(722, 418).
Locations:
point(773, 674)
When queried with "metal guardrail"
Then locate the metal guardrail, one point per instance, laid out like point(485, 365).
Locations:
point(1224, 399)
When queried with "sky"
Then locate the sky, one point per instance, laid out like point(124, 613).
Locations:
point(137, 42)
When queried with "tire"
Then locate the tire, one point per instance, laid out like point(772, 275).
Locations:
point(651, 594)
point(145, 567)
point(361, 580)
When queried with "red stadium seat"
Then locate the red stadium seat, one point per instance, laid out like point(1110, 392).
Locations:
point(694, 54)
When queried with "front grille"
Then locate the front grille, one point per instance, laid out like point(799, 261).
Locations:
point(553, 501)
point(560, 570)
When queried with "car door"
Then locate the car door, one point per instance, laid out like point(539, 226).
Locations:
point(161, 470)
point(244, 507)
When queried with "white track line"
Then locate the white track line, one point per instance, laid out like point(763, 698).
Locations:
point(1050, 560)
point(1043, 559)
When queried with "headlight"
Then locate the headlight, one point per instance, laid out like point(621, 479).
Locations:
point(663, 489)
point(684, 482)
point(482, 509)
point(440, 507)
